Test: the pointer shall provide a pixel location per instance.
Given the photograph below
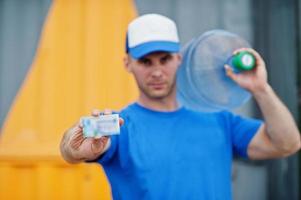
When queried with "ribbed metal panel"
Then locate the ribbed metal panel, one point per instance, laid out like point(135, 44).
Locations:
point(77, 67)
point(277, 28)
point(20, 26)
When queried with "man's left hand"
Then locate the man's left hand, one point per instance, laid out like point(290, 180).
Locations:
point(253, 80)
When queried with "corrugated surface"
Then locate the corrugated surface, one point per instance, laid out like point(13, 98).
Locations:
point(78, 67)
point(20, 27)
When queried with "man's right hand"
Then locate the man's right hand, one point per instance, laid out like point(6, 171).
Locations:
point(77, 148)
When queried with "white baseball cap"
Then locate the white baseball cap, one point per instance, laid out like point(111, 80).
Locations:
point(150, 33)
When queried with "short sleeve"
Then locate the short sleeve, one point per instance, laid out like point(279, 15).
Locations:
point(107, 156)
point(242, 130)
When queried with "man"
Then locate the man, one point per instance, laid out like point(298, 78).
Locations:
point(165, 151)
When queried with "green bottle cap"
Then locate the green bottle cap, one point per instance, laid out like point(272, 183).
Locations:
point(243, 61)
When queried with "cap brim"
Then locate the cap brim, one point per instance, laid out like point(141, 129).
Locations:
point(150, 47)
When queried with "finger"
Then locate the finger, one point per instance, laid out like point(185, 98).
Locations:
point(236, 51)
point(96, 141)
point(76, 139)
point(230, 73)
point(76, 144)
point(121, 121)
point(75, 129)
point(99, 144)
point(78, 135)
point(228, 68)
point(253, 52)
point(107, 111)
point(259, 59)
point(103, 138)
point(71, 132)
point(95, 112)
point(79, 124)
point(250, 50)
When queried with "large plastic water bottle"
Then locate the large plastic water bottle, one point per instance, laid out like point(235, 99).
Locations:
point(202, 83)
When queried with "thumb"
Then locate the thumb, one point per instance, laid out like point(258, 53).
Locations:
point(98, 144)
point(230, 73)
point(121, 121)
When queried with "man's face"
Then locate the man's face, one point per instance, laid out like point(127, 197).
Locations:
point(155, 73)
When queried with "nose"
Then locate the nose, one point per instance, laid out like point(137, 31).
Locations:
point(157, 73)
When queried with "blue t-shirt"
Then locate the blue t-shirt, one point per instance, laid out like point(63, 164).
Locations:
point(183, 155)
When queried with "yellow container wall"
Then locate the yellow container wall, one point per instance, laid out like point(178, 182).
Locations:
point(78, 67)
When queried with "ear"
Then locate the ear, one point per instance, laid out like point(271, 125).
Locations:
point(127, 63)
point(179, 57)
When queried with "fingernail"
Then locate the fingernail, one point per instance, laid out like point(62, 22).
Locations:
point(107, 111)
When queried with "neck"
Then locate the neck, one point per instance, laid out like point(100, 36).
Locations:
point(168, 103)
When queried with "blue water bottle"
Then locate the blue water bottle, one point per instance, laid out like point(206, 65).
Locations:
point(202, 83)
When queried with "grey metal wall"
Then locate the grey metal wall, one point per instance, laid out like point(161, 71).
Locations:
point(193, 17)
point(269, 26)
point(276, 36)
point(21, 22)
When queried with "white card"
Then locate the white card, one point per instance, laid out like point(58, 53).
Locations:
point(103, 125)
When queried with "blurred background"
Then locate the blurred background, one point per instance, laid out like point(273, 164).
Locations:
point(59, 59)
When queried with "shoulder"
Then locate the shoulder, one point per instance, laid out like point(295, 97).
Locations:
point(126, 111)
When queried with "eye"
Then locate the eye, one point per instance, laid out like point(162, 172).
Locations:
point(145, 61)
point(166, 58)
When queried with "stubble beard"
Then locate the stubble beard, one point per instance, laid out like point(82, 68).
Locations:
point(151, 93)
